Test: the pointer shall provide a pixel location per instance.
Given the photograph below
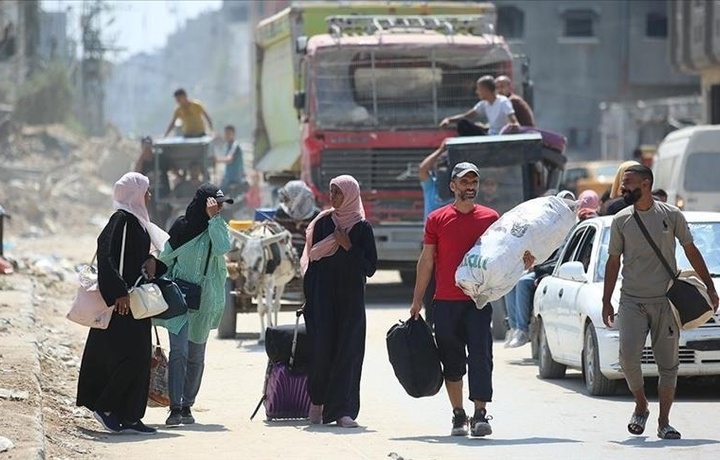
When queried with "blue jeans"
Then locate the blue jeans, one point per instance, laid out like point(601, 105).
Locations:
point(519, 302)
point(186, 366)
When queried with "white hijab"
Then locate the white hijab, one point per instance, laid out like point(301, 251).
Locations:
point(129, 195)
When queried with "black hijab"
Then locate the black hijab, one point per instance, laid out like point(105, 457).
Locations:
point(195, 220)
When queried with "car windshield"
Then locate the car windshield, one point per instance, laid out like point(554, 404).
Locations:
point(413, 87)
point(707, 239)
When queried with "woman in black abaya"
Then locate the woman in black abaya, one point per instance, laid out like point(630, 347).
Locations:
point(115, 370)
point(339, 256)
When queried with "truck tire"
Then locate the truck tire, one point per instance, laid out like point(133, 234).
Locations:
point(408, 278)
point(228, 322)
point(499, 321)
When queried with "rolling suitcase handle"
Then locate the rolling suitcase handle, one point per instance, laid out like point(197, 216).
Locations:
point(298, 314)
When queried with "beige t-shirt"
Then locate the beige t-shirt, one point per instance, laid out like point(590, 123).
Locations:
point(644, 275)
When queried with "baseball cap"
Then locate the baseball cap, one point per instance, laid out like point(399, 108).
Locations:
point(463, 168)
point(214, 191)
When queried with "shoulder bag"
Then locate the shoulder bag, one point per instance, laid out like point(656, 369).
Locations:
point(146, 300)
point(191, 291)
point(689, 300)
point(89, 308)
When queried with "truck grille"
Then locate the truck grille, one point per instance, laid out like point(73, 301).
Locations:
point(374, 169)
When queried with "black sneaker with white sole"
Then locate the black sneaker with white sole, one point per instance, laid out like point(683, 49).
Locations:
point(186, 416)
point(480, 424)
point(137, 428)
point(460, 422)
point(108, 420)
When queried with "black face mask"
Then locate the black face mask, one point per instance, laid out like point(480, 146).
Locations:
point(632, 196)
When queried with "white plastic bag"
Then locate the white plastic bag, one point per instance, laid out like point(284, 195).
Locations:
point(495, 264)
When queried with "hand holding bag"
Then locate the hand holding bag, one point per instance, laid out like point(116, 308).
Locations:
point(689, 300)
point(146, 300)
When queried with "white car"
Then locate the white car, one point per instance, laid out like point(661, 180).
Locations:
point(568, 326)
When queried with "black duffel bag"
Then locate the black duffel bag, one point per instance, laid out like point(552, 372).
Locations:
point(173, 297)
point(278, 344)
point(414, 357)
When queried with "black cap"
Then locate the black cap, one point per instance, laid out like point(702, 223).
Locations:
point(146, 140)
point(214, 191)
point(463, 168)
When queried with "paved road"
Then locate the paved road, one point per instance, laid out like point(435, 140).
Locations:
point(532, 418)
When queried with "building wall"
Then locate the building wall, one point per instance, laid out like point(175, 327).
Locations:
point(695, 45)
point(14, 67)
point(573, 75)
point(54, 42)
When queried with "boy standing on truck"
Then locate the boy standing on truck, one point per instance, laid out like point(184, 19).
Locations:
point(496, 108)
point(191, 113)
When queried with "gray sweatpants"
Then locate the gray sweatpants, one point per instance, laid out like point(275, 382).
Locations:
point(635, 320)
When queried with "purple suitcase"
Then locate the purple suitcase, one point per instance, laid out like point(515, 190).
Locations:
point(285, 394)
point(550, 140)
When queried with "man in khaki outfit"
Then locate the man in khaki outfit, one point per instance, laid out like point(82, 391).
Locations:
point(643, 305)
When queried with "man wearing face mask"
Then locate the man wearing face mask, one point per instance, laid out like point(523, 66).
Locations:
point(643, 305)
point(462, 331)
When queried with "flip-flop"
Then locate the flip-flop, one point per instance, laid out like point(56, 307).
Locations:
point(668, 432)
point(637, 423)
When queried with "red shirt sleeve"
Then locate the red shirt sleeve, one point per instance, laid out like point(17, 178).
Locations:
point(431, 236)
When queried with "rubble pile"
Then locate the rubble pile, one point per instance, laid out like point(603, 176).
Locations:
point(53, 180)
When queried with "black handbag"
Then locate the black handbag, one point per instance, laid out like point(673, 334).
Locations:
point(414, 357)
point(688, 297)
point(191, 291)
point(173, 297)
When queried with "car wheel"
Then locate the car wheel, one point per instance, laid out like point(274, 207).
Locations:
point(534, 338)
point(547, 367)
point(595, 382)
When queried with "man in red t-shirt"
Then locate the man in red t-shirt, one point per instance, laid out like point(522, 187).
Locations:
point(450, 232)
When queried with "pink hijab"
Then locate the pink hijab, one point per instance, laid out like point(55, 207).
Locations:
point(129, 195)
point(589, 200)
point(345, 217)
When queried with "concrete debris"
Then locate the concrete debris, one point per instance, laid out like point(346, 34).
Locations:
point(5, 444)
point(13, 395)
point(53, 178)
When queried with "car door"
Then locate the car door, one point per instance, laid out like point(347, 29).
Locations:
point(551, 294)
point(569, 321)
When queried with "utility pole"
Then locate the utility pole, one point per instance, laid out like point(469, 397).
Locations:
point(92, 83)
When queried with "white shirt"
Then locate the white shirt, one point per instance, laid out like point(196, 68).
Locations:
point(496, 113)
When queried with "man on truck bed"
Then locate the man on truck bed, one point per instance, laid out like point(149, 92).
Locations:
point(523, 112)
point(191, 114)
point(496, 108)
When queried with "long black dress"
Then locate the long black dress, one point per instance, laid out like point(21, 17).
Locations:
point(335, 320)
point(115, 369)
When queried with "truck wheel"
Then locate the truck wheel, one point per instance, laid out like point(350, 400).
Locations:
point(595, 382)
point(499, 321)
point(228, 322)
point(408, 278)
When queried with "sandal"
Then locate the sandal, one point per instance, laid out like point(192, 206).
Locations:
point(668, 432)
point(637, 423)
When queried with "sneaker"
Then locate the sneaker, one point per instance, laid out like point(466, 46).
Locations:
point(138, 428)
point(175, 418)
point(509, 336)
point(480, 423)
point(520, 339)
point(108, 420)
point(460, 423)
point(186, 416)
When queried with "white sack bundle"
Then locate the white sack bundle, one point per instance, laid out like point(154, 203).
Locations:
point(495, 264)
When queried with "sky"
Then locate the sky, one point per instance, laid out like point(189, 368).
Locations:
point(139, 25)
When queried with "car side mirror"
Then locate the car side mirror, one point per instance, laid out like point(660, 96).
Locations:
point(299, 100)
point(573, 271)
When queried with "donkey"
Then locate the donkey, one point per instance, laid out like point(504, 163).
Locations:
point(268, 262)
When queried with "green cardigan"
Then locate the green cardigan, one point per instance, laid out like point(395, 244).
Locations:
point(188, 263)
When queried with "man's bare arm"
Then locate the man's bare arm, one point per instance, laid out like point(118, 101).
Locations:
point(612, 269)
point(427, 164)
point(425, 267)
point(170, 126)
